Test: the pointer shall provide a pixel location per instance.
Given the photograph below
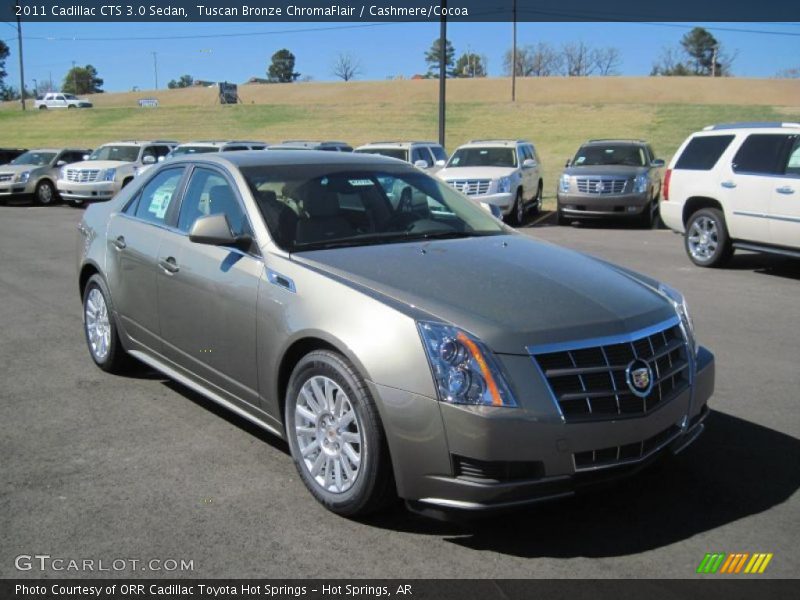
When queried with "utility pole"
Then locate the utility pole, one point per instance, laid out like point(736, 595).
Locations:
point(21, 67)
point(714, 63)
point(442, 73)
point(74, 78)
point(514, 55)
point(155, 67)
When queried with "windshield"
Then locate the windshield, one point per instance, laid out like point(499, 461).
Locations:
point(610, 154)
point(181, 150)
point(34, 158)
point(483, 157)
point(398, 153)
point(123, 153)
point(323, 206)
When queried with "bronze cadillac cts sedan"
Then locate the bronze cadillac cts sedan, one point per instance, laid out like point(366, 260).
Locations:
point(403, 341)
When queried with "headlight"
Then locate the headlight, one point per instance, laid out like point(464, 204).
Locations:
point(464, 370)
point(23, 177)
point(679, 302)
point(640, 184)
point(563, 184)
point(62, 174)
point(109, 175)
point(504, 185)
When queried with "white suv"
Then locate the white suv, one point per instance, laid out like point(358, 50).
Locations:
point(735, 186)
point(505, 173)
point(108, 169)
point(61, 100)
point(428, 156)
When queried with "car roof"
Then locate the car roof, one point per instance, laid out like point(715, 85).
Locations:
point(258, 158)
point(69, 148)
point(614, 141)
point(752, 125)
point(216, 143)
point(397, 144)
point(490, 142)
point(138, 142)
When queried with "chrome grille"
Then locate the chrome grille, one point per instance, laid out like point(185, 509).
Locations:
point(82, 175)
point(601, 185)
point(615, 455)
point(6, 176)
point(589, 383)
point(471, 187)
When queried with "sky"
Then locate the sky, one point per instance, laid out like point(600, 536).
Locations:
point(383, 50)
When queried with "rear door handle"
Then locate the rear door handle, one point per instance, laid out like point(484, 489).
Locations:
point(169, 265)
point(119, 243)
point(785, 190)
point(728, 184)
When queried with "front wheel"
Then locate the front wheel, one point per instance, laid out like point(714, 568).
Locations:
point(706, 241)
point(100, 328)
point(336, 437)
point(45, 193)
point(537, 201)
point(517, 215)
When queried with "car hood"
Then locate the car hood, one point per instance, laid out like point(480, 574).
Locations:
point(606, 170)
point(510, 291)
point(474, 172)
point(98, 164)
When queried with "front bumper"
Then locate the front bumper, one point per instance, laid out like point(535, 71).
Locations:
point(505, 202)
point(596, 205)
point(9, 188)
point(82, 192)
point(435, 463)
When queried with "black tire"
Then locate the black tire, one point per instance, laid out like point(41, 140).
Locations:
point(723, 249)
point(75, 203)
point(517, 215)
point(45, 193)
point(115, 360)
point(70, 106)
point(537, 202)
point(42, 107)
point(561, 219)
point(646, 218)
point(373, 486)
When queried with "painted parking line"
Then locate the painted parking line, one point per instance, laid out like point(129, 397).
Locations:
point(543, 217)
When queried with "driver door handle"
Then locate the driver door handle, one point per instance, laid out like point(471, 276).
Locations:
point(119, 243)
point(785, 190)
point(728, 184)
point(169, 265)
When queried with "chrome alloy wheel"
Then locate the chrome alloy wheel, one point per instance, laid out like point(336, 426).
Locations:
point(703, 238)
point(44, 193)
point(97, 324)
point(328, 434)
point(520, 207)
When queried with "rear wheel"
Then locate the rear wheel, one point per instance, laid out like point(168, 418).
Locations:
point(42, 107)
point(646, 218)
point(45, 193)
point(336, 437)
point(706, 240)
point(100, 328)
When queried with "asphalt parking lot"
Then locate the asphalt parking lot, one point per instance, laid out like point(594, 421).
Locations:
point(95, 466)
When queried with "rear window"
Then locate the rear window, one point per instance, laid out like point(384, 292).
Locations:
point(703, 152)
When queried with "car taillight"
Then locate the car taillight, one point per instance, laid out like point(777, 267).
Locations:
point(667, 177)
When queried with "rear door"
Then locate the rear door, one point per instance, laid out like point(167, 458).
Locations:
point(784, 209)
point(134, 237)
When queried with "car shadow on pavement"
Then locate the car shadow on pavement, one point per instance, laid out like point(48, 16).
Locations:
point(766, 264)
point(736, 469)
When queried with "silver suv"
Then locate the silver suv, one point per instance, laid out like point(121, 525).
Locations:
point(429, 156)
point(109, 169)
point(506, 173)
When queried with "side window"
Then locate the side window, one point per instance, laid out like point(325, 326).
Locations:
point(234, 148)
point(157, 196)
point(703, 152)
point(60, 98)
point(760, 153)
point(793, 163)
point(416, 154)
point(209, 193)
point(651, 155)
point(525, 153)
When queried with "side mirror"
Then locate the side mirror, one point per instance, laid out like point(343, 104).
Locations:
point(421, 164)
point(85, 157)
point(61, 163)
point(214, 230)
point(440, 163)
point(568, 163)
point(149, 160)
point(161, 158)
point(658, 163)
point(528, 163)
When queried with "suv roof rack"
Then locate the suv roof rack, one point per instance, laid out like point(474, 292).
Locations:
point(751, 125)
point(629, 141)
point(499, 140)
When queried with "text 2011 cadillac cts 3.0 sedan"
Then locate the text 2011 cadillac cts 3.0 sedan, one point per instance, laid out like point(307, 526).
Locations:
point(402, 340)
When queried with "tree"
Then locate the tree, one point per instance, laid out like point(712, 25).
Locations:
point(432, 58)
point(541, 60)
point(793, 73)
point(183, 81)
point(470, 64)
point(282, 68)
point(82, 80)
point(3, 57)
point(606, 60)
point(669, 64)
point(346, 67)
point(578, 60)
point(700, 54)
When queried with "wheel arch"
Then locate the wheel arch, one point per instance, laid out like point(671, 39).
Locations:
point(87, 270)
point(696, 203)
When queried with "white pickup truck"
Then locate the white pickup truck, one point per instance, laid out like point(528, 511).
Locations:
point(61, 100)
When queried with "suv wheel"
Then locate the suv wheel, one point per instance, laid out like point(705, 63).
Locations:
point(45, 193)
point(537, 202)
point(646, 218)
point(101, 330)
point(336, 437)
point(517, 215)
point(706, 240)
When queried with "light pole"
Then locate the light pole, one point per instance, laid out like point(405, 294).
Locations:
point(442, 73)
point(21, 67)
point(514, 56)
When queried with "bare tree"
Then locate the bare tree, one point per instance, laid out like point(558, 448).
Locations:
point(524, 68)
point(578, 60)
point(346, 67)
point(606, 60)
point(793, 73)
point(545, 60)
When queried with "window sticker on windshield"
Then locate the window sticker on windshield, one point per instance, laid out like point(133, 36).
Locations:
point(580, 160)
point(360, 182)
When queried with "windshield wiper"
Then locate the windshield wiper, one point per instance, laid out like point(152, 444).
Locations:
point(389, 238)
